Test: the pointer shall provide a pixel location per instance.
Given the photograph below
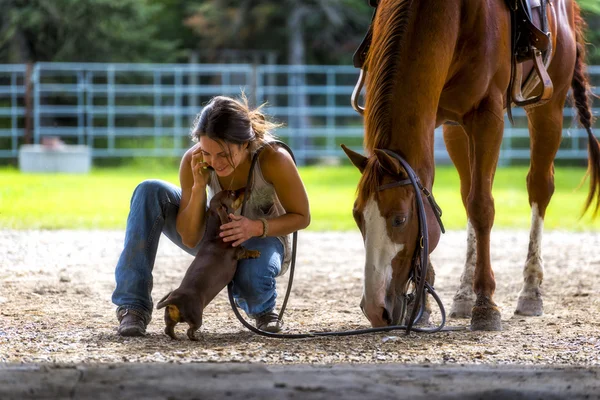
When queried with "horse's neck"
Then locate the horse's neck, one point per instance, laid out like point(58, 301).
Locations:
point(409, 69)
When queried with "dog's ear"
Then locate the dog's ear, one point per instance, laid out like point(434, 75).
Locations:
point(222, 212)
point(239, 198)
point(164, 301)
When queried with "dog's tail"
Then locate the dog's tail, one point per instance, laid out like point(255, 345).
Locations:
point(165, 301)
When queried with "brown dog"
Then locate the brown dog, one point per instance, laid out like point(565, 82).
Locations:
point(212, 269)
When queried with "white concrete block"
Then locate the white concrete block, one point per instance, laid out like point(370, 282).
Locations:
point(69, 159)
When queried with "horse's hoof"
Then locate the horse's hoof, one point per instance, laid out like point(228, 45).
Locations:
point(461, 308)
point(530, 306)
point(486, 318)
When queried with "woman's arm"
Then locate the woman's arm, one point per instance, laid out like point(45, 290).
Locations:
point(279, 169)
point(193, 179)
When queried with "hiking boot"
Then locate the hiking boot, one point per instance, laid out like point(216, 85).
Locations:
point(132, 322)
point(269, 322)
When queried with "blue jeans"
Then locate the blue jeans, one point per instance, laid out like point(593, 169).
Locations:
point(153, 210)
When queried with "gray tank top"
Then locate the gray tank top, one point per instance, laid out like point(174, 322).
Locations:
point(262, 203)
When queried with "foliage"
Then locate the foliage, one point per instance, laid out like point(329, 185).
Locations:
point(332, 29)
point(315, 31)
point(82, 30)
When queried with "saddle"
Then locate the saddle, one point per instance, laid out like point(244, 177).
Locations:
point(531, 50)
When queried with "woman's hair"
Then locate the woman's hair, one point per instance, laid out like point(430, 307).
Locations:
point(229, 120)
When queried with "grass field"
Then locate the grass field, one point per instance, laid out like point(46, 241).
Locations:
point(100, 200)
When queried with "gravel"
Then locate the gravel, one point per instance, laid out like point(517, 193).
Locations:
point(55, 306)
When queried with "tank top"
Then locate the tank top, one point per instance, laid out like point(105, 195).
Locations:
point(262, 203)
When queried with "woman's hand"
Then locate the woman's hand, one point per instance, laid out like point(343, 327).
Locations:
point(200, 170)
point(240, 229)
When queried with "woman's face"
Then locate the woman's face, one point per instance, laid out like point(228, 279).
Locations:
point(223, 157)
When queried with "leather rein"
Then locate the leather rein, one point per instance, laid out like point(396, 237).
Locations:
point(418, 274)
point(420, 259)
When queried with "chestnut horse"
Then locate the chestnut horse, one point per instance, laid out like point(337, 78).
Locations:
point(435, 62)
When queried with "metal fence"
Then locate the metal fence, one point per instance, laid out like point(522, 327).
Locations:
point(146, 110)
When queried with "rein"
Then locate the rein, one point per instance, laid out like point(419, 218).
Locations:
point(420, 260)
point(418, 277)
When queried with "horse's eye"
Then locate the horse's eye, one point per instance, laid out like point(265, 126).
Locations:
point(398, 221)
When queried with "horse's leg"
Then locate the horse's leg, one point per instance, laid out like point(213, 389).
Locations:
point(457, 144)
point(545, 127)
point(484, 127)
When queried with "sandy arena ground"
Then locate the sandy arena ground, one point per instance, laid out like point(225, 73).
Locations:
point(55, 307)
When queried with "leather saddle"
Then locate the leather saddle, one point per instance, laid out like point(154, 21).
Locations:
point(531, 51)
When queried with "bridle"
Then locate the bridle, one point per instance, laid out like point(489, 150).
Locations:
point(420, 258)
point(418, 274)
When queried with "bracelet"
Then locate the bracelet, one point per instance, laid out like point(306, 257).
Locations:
point(265, 228)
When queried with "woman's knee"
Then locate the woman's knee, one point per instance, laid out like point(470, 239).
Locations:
point(149, 188)
point(155, 190)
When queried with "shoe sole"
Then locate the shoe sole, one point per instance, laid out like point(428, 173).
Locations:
point(133, 331)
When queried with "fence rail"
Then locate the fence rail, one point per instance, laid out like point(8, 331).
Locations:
point(125, 110)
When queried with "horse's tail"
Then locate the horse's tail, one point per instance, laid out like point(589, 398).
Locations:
point(581, 91)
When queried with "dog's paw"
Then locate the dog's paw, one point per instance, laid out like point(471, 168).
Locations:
point(243, 253)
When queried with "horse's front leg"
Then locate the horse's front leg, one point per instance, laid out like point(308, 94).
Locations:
point(484, 127)
point(457, 145)
point(464, 299)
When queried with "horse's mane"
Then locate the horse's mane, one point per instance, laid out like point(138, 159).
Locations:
point(388, 29)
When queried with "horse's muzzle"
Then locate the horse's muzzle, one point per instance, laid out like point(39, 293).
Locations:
point(392, 312)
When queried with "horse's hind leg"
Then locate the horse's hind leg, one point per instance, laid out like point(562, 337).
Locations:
point(545, 126)
point(457, 144)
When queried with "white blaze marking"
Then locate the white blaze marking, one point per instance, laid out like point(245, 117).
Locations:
point(380, 251)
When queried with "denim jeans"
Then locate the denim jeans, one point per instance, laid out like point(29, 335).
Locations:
point(153, 211)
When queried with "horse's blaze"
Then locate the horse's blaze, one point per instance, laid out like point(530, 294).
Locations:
point(380, 251)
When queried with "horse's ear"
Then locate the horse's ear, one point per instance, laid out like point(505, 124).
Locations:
point(357, 159)
point(388, 162)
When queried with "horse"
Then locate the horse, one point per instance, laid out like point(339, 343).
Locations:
point(449, 62)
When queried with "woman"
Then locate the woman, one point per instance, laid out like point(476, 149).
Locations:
point(228, 134)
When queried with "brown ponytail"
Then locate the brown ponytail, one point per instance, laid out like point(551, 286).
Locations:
point(231, 120)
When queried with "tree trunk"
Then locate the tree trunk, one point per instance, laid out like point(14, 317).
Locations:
point(298, 122)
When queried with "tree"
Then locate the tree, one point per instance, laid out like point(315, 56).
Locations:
point(335, 26)
point(591, 13)
point(82, 30)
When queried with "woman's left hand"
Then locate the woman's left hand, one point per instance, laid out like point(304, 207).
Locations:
point(240, 229)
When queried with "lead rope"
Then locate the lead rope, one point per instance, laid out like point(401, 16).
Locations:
point(418, 308)
point(249, 184)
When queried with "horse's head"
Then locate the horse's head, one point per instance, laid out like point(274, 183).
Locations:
point(387, 213)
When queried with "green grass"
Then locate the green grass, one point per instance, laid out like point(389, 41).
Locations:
point(100, 200)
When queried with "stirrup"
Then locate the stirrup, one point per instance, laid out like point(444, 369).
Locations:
point(545, 81)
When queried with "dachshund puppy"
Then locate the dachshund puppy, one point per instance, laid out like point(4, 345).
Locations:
point(212, 269)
